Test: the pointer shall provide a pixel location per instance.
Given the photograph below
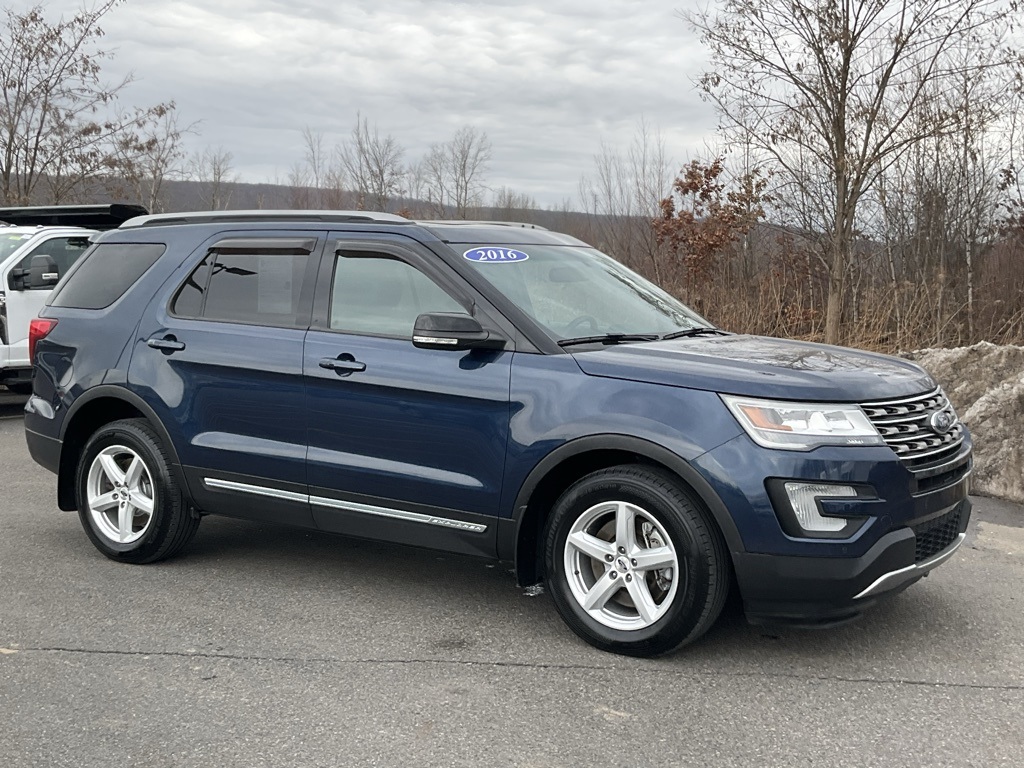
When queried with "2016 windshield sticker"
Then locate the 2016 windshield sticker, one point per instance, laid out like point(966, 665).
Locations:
point(495, 255)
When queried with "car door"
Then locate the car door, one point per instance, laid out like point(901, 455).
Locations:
point(219, 358)
point(405, 444)
point(24, 299)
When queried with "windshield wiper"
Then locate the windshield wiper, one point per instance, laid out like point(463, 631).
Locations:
point(608, 338)
point(693, 332)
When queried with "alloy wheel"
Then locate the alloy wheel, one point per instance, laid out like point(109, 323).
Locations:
point(120, 494)
point(622, 567)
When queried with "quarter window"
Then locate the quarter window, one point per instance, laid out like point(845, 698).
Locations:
point(105, 274)
point(378, 294)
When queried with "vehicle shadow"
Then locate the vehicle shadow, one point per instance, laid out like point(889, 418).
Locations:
point(399, 580)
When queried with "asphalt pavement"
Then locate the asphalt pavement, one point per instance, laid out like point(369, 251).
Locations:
point(266, 646)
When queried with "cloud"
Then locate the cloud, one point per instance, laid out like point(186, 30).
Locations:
point(546, 82)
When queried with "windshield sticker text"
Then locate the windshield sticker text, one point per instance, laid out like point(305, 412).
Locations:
point(495, 255)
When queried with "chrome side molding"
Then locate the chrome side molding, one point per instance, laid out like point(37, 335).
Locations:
point(348, 506)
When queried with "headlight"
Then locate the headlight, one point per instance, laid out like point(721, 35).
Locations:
point(802, 426)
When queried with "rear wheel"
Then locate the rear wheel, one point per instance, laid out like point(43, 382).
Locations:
point(129, 503)
point(633, 565)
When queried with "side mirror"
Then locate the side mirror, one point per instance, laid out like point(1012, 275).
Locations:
point(43, 272)
point(17, 279)
point(452, 330)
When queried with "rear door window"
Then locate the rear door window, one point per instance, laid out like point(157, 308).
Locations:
point(251, 281)
point(104, 274)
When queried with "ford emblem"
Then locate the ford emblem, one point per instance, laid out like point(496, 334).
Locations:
point(940, 422)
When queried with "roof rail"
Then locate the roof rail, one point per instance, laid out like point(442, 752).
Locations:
point(470, 222)
point(107, 216)
point(212, 217)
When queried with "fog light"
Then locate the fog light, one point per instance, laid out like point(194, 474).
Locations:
point(803, 498)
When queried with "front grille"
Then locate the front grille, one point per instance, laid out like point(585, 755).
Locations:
point(905, 425)
point(935, 535)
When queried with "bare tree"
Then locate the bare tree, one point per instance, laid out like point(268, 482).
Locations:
point(373, 164)
point(300, 194)
point(316, 156)
point(624, 195)
point(58, 121)
point(940, 204)
point(510, 205)
point(317, 182)
point(144, 162)
point(452, 173)
point(651, 179)
point(433, 181)
point(606, 199)
point(416, 187)
point(214, 168)
point(470, 153)
point(840, 87)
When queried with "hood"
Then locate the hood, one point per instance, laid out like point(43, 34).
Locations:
point(759, 366)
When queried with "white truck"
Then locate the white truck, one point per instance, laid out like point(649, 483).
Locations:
point(37, 247)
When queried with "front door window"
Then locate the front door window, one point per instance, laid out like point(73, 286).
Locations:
point(379, 295)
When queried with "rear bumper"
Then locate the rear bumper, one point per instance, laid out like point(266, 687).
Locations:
point(44, 450)
point(820, 591)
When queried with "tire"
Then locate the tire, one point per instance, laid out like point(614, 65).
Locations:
point(129, 502)
point(20, 387)
point(633, 565)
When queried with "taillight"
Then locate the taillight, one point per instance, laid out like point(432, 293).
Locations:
point(38, 329)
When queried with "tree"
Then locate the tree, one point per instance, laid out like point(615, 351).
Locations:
point(214, 168)
point(509, 205)
point(838, 90)
point(937, 212)
point(703, 217)
point(146, 160)
point(610, 207)
point(318, 181)
point(624, 195)
point(373, 164)
point(59, 123)
point(451, 174)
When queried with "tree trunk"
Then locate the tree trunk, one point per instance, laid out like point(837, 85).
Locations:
point(840, 261)
point(970, 291)
point(896, 300)
point(836, 288)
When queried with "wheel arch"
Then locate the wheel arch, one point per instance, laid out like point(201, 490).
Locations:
point(99, 406)
point(520, 541)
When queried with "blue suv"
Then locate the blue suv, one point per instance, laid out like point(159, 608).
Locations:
point(494, 390)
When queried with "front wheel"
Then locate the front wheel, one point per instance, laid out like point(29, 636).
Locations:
point(129, 502)
point(633, 565)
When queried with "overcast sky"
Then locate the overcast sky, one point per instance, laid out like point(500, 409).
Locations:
point(546, 81)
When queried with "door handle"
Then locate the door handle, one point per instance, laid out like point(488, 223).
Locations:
point(166, 344)
point(342, 364)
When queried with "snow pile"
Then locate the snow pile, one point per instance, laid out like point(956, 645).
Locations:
point(986, 384)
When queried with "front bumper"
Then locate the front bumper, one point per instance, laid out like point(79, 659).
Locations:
point(822, 591)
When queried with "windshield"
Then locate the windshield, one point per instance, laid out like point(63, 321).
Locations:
point(9, 243)
point(576, 292)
